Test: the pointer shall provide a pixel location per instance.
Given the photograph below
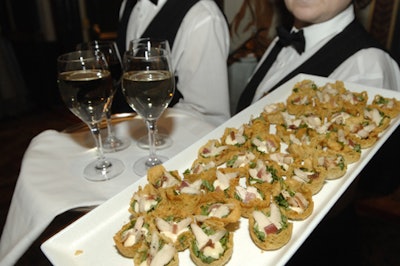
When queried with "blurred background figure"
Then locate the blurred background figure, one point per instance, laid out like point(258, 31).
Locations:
point(252, 28)
point(199, 38)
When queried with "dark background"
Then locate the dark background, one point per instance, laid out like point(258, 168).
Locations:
point(35, 52)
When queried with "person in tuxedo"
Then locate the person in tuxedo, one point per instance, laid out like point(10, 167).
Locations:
point(198, 35)
point(327, 40)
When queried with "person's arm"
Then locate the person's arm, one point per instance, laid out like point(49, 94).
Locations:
point(200, 52)
point(371, 67)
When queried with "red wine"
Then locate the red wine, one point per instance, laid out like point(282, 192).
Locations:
point(148, 92)
point(86, 93)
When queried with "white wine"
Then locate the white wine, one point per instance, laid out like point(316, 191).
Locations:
point(148, 92)
point(86, 92)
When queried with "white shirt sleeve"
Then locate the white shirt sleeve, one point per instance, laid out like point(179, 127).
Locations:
point(372, 67)
point(199, 56)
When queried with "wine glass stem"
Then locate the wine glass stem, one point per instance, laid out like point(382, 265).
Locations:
point(156, 137)
point(102, 164)
point(110, 133)
point(152, 129)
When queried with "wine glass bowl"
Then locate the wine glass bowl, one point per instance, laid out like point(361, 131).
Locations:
point(85, 85)
point(110, 51)
point(148, 85)
point(162, 140)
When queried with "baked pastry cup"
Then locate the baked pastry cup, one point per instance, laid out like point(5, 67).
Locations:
point(159, 177)
point(331, 163)
point(145, 200)
point(218, 209)
point(130, 237)
point(273, 113)
point(211, 246)
point(157, 251)
point(305, 173)
point(389, 106)
point(269, 228)
point(354, 103)
point(214, 151)
point(295, 199)
point(234, 137)
point(249, 198)
point(361, 131)
point(300, 101)
point(339, 142)
point(262, 172)
point(176, 230)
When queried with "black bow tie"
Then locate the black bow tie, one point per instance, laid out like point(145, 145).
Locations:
point(154, 1)
point(296, 39)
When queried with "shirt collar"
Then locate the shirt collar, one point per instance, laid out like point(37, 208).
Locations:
point(316, 33)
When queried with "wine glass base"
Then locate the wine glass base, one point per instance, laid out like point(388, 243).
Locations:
point(141, 166)
point(93, 173)
point(115, 144)
point(162, 141)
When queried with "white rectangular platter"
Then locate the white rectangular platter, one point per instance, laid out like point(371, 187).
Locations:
point(89, 240)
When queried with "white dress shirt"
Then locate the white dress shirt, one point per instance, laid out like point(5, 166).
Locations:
point(199, 56)
point(371, 67)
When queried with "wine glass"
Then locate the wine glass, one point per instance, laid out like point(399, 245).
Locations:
point(162, 140)
point(148, 84)
point(85, 85)
point(109, 49)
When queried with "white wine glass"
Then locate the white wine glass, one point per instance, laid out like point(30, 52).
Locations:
point(111, 142)
point(162, 140)
point(85, 85)
point(148, 84)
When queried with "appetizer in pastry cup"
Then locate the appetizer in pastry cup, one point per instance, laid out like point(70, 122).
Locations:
point(354, 103)
point(262, 172)
point(130, 237)
point(199, 166)
point(159, 177)
point(206, 177)
point(219, 209)
point(361, 131)
point(331, 163)
point(264, 143)
point(301, 100)
point(145, 200)
point(257, 126)
point(234, 137)
point(213, 151)
point(249, 198)
point(327, 99)
point(156, 252)
point(377, 117)
point(339, 142)
point(389, 106)
point(295, 199)
point(269, 228)
point(175, 230)
point(305, 173)
point(283, 160)
point(211, 246)
point(272, 113)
